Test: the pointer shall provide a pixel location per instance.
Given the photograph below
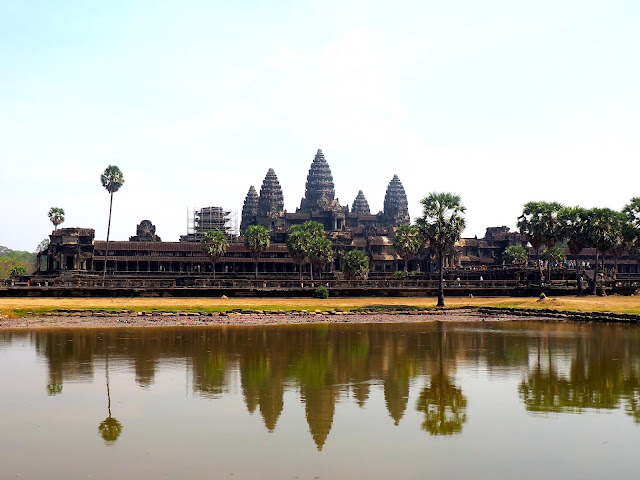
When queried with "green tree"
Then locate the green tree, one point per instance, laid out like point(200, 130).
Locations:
point(320, 253)
point(515, 255)
point(554, 255)
point(441, 225)
point(256, 239)
point(112, 179)
point(604, 233)
point(355, 264)
point(631, 227)
point(56, 215)
point(406, 242)
point(17, 271)
point(299, 240)
point(573, 230)
point(552, 228)
point(214, 244)
point(531, 226)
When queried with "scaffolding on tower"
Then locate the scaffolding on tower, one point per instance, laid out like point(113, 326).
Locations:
point(199, 222)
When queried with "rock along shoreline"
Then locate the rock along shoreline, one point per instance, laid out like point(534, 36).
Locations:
point(67, 318)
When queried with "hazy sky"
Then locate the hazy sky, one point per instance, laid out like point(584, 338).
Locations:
point(502, 102)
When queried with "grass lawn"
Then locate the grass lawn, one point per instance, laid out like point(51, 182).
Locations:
point(17, 307)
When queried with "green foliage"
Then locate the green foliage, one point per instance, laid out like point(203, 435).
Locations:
point(631, 227)
point(17, 271)
point(355, 264)
point(515, 255)
point(406, 242)
point(554, 255)
point(320, 251)
point(257, 240)
point(321, 292)
point(604, 229)
point(12, 259)
point(573, 228)
point(214, 244)
point(442, 222)
point(112, 179)
point(307, 243)
point(56, 215)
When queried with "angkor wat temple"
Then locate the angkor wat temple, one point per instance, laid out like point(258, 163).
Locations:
point(75, 252)
point(320, 204)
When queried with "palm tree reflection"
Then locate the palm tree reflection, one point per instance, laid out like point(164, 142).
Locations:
point(109, 428)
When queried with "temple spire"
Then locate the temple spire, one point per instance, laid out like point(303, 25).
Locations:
point(249, 209)
point(319, 188)
point(396, 206)
point(360, 205)
point(271, 200)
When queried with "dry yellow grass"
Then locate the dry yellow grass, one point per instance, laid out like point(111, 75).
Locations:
point(14, 307)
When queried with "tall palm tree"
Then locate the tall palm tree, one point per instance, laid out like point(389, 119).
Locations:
point(112, 179)
point(56, 215)
point(256, 239)
point(320, 253)
point(441, 225)
point(406, 242)
point(299, 240)
point(532, 227)
point(552, 229)
point(214, 244)
point(631, 232)
point(573, 230)
point(604, 233)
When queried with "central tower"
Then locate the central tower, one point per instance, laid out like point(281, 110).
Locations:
point(319, 189)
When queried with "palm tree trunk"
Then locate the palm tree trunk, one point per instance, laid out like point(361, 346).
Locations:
point(311, 271)
point(256, 265)
point(106, 247)
point(213, 267)
point(578, 275)
point(441, 281)
point(549, 265)
point(595, 274)
point(538, 262)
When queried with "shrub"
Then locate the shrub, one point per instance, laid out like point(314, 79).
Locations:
point(321, 292)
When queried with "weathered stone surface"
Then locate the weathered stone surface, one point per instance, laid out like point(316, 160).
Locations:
point(249, 209)
point(319, 189)
point(360, 205)
point(271, 200)
point(396, 206)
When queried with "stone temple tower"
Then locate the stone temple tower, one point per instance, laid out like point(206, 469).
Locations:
point(396, 206)
point(249, 210)
point(360, 205)
point(319, 189)
point(271, 200)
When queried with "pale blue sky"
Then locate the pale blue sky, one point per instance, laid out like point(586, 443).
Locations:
point(501, 102)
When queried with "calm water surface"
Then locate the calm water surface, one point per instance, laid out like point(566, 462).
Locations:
point(438, 400)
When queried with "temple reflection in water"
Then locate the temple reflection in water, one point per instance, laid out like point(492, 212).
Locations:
point(563, 368)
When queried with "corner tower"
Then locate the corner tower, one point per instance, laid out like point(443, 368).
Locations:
point(249, 210)
point(396, 206)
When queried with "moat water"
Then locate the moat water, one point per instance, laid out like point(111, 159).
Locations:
point(495, 400)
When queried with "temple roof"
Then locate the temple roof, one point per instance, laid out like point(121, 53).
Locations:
point(396, 206)
point(319, 184)
point(271, 200)
point(360, 205)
